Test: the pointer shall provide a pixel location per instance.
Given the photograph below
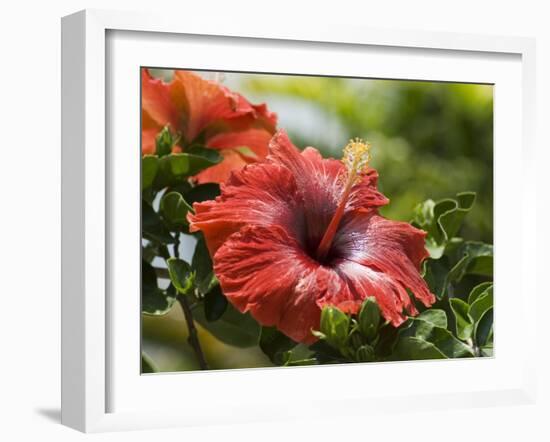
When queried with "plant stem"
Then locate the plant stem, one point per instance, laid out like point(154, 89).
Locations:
point(193, 338)
point(177, 246)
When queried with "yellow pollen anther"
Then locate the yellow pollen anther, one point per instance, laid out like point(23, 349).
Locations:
point(356, 157)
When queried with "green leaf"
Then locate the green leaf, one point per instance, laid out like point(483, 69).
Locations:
point(436, 317)
point(181, 275)
point(473, 258)
point(365, 353)
point(149, 168)
point(422, 325)
point(202, 192)
point(442, 220)
point(467, 258)
point(325, 354)
point(202, 265)
point(150, 251)
point(147, 364)
point(387, 337)
point(211, 155)
point(451, 218)
point(484, 328)
point(448, 344)
point(275, 345)
point(479, 290)
point(152, 226)
point(438, 336)
point(176, 168)
point(174, 209)
point(436, 276)
point(464, 322)
point(335, 326)
point(215, 304)
point(232, 328)
point(412, 348)
point(369, 318)
point(154, 301)
point(481, 304)
point(298, 355)
point(164, 141)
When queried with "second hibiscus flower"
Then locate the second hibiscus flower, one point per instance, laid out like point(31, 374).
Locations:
point(297, 232)
point(201, 111)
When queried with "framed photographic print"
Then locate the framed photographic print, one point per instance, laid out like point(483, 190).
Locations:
point(264, 212)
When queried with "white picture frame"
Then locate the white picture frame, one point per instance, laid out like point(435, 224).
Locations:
point(91, 360)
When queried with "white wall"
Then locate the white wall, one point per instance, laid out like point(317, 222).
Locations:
point(30, 212)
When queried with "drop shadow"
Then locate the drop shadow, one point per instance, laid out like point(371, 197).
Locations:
point(51, 414)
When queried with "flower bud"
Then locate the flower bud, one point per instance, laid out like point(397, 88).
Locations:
point(369, 318)
point(164, 142)
point(365, 353)
point(335, 326)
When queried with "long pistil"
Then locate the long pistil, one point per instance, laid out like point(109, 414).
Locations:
point(356, 159)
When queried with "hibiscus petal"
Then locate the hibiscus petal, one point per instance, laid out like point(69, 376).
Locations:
point(256, 140)
point(391, 296)
point(203, 102)
point(232, 161)
point(148, 141)
point(390, 253)
point(265, 118)
point(321, 183)
point(258, 194)
point(156, 103)
point(264, 271)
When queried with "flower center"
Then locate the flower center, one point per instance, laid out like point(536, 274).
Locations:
point(356, 159)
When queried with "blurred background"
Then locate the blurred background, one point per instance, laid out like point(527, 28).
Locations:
point(430, 140)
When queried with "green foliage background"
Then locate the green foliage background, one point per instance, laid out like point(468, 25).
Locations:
point(430, 140)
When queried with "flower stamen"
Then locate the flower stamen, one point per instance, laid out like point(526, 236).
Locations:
point(356, 158)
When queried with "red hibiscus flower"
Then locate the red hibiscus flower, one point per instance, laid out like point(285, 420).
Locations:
point(297, 232)
point(199, 110)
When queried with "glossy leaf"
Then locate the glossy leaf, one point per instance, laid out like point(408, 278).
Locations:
point(412, 348)
point(473, 258)
point(275, 344)
point(232, 328)
point(181, 275)
point(202, 192)
point(467, 258)
point(482, 303)
point(174, 209)
point(202, 265)
point(178, 167)
point(369, 318)
point(299, 355)
point(335, 326)
point(436, 317)
point(438, 336)
point(215, 304)
point(484, 329)
point(152, 226)
point(436, 276)
point(464, 322)
point(365, 353)
point(154, 301)
point(442, 220)
point(448, 344)
point(164, 142)
point(149, 168)
point(479, 290)
point(487, 351)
